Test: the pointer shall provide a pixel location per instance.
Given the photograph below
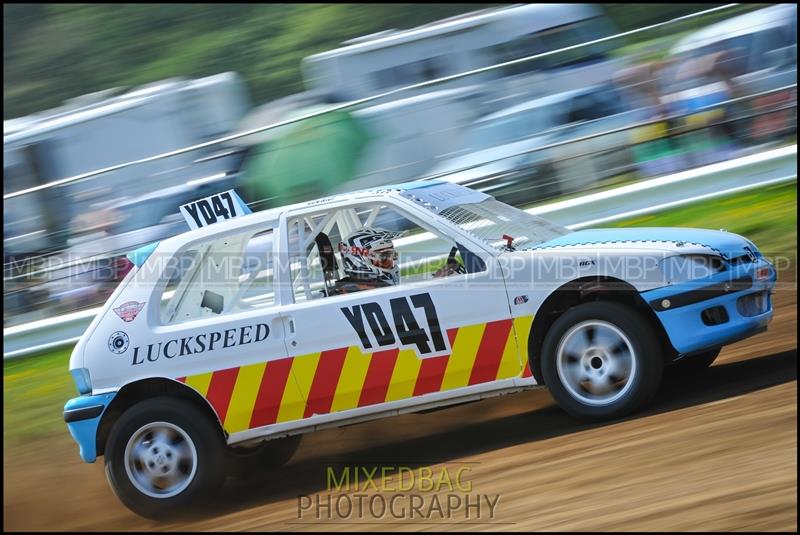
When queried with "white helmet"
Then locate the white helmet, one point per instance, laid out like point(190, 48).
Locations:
point(369, 254)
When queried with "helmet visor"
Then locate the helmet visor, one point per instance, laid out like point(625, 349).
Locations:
point(384, 259)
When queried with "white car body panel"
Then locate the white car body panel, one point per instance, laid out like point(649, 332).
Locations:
point(470, 332)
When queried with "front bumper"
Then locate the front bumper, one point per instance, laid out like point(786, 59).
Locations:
point(82, 415)
point(731, 305)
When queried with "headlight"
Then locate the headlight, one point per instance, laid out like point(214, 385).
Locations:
point(683, 268)
point(82, 380)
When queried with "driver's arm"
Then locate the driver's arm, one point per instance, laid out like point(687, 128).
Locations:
point(451, 267)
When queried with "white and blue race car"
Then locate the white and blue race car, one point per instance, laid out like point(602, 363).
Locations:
point(250, 327)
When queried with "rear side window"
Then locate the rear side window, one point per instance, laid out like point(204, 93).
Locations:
point(219, 277)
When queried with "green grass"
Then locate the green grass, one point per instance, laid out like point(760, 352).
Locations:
point(35, 388)
point(767, 217)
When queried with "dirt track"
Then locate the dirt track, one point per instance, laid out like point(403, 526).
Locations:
point(717, 452)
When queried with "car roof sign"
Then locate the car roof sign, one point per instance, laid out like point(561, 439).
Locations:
point(213, 209)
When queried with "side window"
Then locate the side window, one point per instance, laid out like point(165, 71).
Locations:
point(527, 45)
point(592, 106)
point(369, 247)
point(769, 48)
point(306, 273)
point(563, 36)
point(384, 78)
point(176, 274)
point(410, 73)
point(218, 277)
point(432, 68)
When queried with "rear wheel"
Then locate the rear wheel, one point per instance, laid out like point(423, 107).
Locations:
point(162, 457)
point(601, 360)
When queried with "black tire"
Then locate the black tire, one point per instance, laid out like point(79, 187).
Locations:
point(694, 364)
point(643, 379)
point(204, 435)
point(257, 462)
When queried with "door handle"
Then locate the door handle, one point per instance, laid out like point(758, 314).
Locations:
point(290, 331)
point(284, 326)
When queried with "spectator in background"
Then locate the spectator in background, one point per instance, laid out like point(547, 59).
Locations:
point(713, 136)
point(654, 153)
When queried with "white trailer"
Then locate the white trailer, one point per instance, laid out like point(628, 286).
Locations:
point(93, 132)
point(377, 63)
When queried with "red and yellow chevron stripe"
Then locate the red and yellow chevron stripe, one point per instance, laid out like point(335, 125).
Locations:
point(335, 380)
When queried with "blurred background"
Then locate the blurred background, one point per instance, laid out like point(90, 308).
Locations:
point(567, 99)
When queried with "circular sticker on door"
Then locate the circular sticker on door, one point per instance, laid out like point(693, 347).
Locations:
point(118, 342)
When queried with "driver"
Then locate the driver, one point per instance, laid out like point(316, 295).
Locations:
point(451, 267)
point(369, 260)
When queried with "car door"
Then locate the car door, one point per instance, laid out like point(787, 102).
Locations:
point(422, 336)
point(213, 323)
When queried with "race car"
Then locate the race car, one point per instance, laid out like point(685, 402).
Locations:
point(224, 344)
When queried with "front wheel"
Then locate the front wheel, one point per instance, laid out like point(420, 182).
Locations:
point(162, 456)
point(601, 360)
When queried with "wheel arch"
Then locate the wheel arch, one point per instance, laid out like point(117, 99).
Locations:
point(583, 290)
point(134, 392)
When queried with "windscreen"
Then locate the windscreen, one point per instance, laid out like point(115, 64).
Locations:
point(490, 220)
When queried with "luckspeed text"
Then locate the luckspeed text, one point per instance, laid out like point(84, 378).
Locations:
point(397, 493)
